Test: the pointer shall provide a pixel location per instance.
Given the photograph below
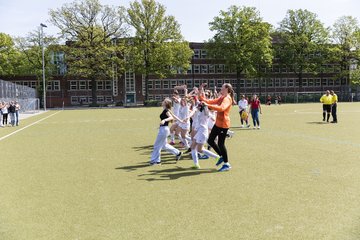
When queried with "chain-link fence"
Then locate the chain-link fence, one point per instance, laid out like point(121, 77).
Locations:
point(25, 96)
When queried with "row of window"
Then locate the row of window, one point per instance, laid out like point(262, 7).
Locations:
point(86, 85)
point(222, 68)
point(86, 99)
point(52, 85)
point(272, 82)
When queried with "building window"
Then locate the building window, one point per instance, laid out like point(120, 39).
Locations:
point(196, 53)
point(317, 82)
point(33, 84)
point(189, 69)
point(74, 100)
point(73, 85)
point(56, 85)
point(211, 68)
point(158, 97)
point(297, 82)
point(242, 83)
point(219, 83)
point(305, 82)
point(189, 83)
point(157, 84)
point(173, 83)
point(277, 82)
point(310, 82)
point(82, 85)
point(203, 53)
point(89, 84)
point(166, 84)
point(283, 82)
point(100, 85)
point(150, 84)
point(211, 83)
point(129, 81)
point(324, 82)
point(291, 82)
point(49, 85)
point(83, 100)
point(248, 83)
point(108, 99)
point(25, 83)
point(270, 82)
point(108, 85)
point(220, 68)
point(256, 83)
point(100, 99)
point(196, 68)
point(204, 68)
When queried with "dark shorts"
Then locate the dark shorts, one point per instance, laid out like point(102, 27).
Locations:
point(326, 108)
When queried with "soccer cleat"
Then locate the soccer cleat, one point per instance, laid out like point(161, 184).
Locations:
point(258, 127)
point(224, 168)
point(242, 126)
point(178, 156)
point(196, 166)
point(188, 150)
point(219, 161)
point(155, 163)
point(203, 157)
point(230, 134)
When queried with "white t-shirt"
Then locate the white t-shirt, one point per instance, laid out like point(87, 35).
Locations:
point(243, 104)
point(176, 107)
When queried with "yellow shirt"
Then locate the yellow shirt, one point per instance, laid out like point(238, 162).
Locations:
point(326, 99)
point(334, 98)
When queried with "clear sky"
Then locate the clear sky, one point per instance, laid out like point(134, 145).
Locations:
point(18, 17)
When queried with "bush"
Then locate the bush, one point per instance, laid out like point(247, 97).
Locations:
point(152, 103)
point(119, 104)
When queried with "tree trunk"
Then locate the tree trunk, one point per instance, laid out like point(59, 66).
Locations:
point(93, 91)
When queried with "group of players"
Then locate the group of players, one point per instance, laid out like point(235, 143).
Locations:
point(329, 101)
point(210, 114)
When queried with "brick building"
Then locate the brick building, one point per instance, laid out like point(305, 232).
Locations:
point(129, 87)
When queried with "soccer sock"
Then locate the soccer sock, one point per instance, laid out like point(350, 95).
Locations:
point(328, 116)
point(195, 156)
point(172, 137)
point(210, 154)
point(324, 114)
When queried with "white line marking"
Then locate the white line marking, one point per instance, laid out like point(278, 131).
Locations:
point(6, 136)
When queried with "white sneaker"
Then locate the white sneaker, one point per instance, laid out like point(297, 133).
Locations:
point(258, 127)
point(242, 126)
point(254, 127)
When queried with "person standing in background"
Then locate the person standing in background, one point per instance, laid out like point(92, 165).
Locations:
point(254, 109)
point(17, 109)
point(326, 100)
point(334, 106)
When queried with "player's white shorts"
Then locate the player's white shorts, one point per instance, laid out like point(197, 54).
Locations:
point(201, 135)
point(184, 126)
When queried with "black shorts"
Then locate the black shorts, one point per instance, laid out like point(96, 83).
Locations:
point(327, 108)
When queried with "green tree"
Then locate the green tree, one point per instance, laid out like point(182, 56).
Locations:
point(95, 36)
point(242, 39)
point(8, 55)
point(303, 42)
point(158, 46)
point(346, 48)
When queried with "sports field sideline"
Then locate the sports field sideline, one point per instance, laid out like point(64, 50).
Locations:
point(84, 174)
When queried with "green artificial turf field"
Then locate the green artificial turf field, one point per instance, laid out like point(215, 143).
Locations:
point(84, 174)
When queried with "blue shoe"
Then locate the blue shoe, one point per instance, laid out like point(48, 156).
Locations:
point(204, 157)
point(219, 161)
point(224, 168)
point(155, 163)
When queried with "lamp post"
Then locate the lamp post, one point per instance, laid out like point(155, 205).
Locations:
point(43, 63)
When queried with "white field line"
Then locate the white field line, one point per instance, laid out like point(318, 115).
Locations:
point(6, 136)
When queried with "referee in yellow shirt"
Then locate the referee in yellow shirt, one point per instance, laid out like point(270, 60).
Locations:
point(326, 100)
point(334, 106)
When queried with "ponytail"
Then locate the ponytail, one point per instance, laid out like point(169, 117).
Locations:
point(231, 92)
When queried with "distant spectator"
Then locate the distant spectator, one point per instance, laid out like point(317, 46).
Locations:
point(279, 99)
point(11, 110)
point(255, 108)
point(17, 109)
point(268, 100)
point(5, 112)
point(334, 106)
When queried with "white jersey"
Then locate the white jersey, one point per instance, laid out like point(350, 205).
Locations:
point(243, 104)
point(176, 107)
point(203, 130)
point(184, 113)
point(212, 119)
point(195, 119)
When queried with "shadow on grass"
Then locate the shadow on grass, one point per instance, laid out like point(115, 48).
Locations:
point(173, 173)
point(317, 122)
point(241, 128)
point(142, 148)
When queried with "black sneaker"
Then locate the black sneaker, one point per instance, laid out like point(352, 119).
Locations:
point(188, 150)
point(178, 156)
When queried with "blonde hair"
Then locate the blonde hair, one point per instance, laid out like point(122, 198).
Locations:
point(168, 103)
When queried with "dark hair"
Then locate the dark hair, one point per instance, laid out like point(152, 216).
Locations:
point(230, 91)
